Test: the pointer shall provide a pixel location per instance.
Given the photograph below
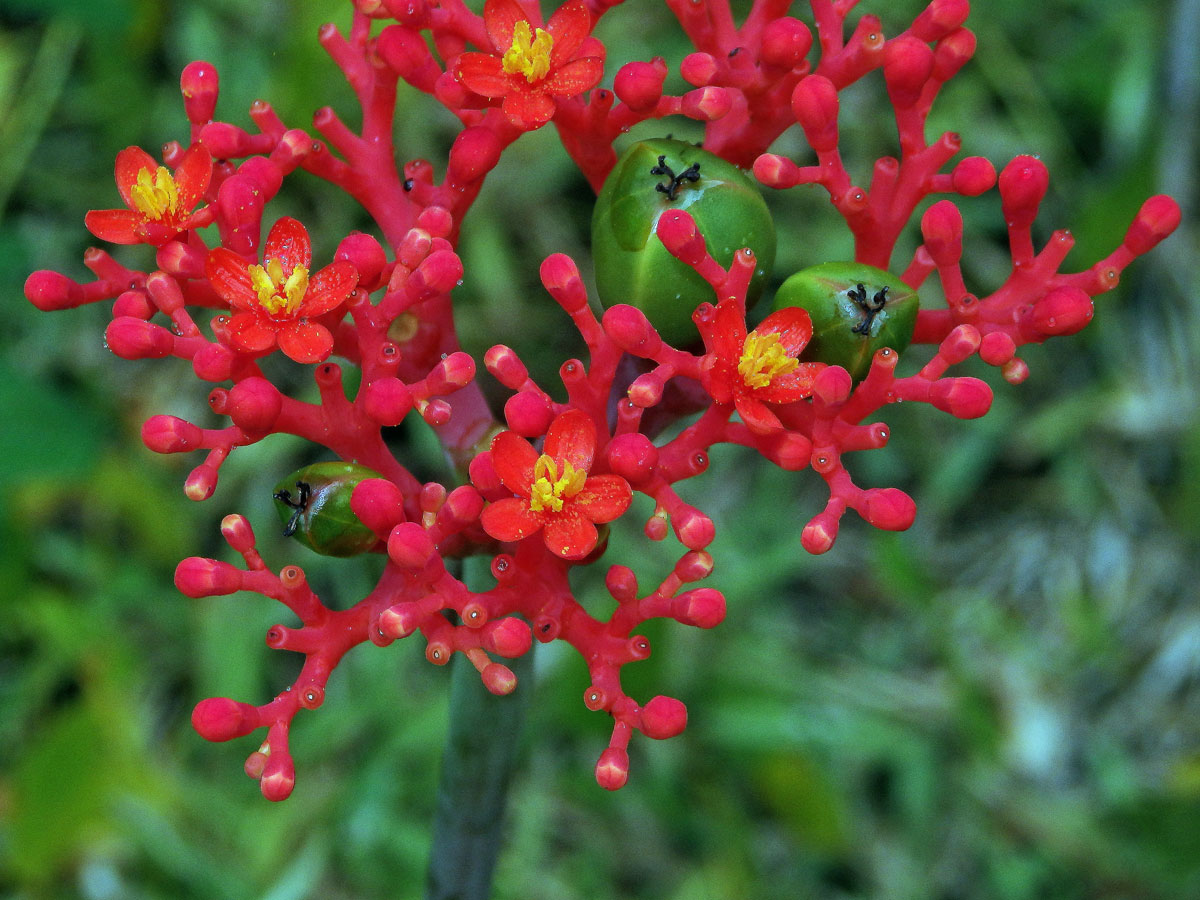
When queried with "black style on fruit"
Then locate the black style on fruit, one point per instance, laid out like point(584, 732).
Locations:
point(314, 505)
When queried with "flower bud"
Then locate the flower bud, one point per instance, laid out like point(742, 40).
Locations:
point(889, 508)
point(701, 607)
point(498, 679)
point(254, 404)
point(785, 42)
point(200, 577)
point(169, 434)
point(820, 533)
point(907, 65)
point(505, 366)
point(387, 400)
point(222, 719)
point(963, 398)
point(776, 171)
point(509, 637)
point(474, 153)
point(131, 338)
point(678, 233)
point(1065, 310)
point(952, 53)
point(278, 777)
point(939, 18)
point(698, 69)
point(942, 229)
point(378, 503)
point(997, 348)
point(694, 529)
point(707, 103)
point(366, 255)
point(561, 278)
point(409, 546)
point(621, 583)
point(528, 413)
point(237, 532)
point(694, 565)
point(1023, 184)
point(213, 362)
point(973, 176)
point(1157, 218)
point(200, 87)
point(438, 273)
point(959, 344)
point(165, 292)
point(133, 303)
point(633, 456)
point(663, 717)
point(639, 85)
point(630, 330)
point(832, 384)
point(451, 374)
point(612, 770)
point(815, 105)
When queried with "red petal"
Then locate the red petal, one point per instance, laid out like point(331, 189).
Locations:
point(288, 242)
point(130, 162)
point(793, 326)
point(510, 519)
point(499, 18)
point(528, 109)
point(329, 288)
point(603, 498)
point(569, 25)
point(227, 273)
point(192, 176)
point(117, 226)
point(482, 73)
point(513, 458)
point(575, 77)
point(719, 377)
point(570, 534)
point(248, 332)
point(756, 415)
point(572, 438)
point(729, 332)
point(795, 385)
point(305, 341)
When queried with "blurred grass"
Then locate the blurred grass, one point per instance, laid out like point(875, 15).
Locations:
point(1001, 703)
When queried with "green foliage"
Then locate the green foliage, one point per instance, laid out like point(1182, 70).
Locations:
point(1000, 704)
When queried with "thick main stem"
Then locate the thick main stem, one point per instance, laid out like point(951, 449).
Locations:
point(477, 766)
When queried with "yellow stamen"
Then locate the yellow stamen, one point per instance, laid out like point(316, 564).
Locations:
point(763, 358)
point(276, 294)
point(549, 490)
point(155, 195)
point(529, 54)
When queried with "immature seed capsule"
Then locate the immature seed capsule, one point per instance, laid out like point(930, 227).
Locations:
point(314, 505)
point(632, 265)
point(855, 309)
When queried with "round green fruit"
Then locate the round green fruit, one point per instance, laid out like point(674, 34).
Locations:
point(314, 505)
point(632, 265)
point(855, 309)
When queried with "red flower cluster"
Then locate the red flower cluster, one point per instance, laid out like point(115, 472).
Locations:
point(540, 487)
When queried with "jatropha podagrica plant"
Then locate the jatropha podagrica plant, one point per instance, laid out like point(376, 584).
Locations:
point(540, 483)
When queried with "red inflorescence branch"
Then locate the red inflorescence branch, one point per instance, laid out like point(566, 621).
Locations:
point(537, 486)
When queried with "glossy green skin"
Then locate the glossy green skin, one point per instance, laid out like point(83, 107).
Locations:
point(632, 265)
point(327, 525)
point(824, 291)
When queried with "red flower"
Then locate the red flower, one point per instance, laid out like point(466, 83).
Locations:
point(752, 370)
point(160, 204)
point(554, 491)
point(275, 301)
point(531, 65)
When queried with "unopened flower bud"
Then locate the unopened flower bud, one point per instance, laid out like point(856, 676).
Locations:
point(498, 679)
point(630, 330)
point(997, 348)
point(678, 233)
point(907, 65)
point(959, 344)
point(639, 85)
point(387, 400)
point(820, 533)
point(694, 529)
point(612, 770)
point(698, 69)
point(505, 366)
point(785, 42)
point(451, 374)
point(694, 565)
point(964, 398)
point(1065, 310)
point(1157, 218)
point(509, 637)
point(939, 18)
point(621, 583)
point(133, 303)
point(200, 577)
point(889, 508)
point(1023, 183)
point(942, 229)
point(832, 384)
point(561, 278)
point(170, 434)
point(200, 87)
point(528, 413)
point(366, 255)
point(378, 503)
point(201, 482)
point(474, 153)
point(254, 404)
point(222, 719)
point(278, 777)
point(707, 103)
point(633, 456)
point(815, 105)
point(213, 362)
point(776, 171)
point(131, 338)
point(663, 717)
point(973, 176)
point(438, 273)
point(237, 532)
point(701, 607)
point(409, 546)
point(952, 53)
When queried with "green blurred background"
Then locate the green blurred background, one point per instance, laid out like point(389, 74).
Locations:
point(1003, 702)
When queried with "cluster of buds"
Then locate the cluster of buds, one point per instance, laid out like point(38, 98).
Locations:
point(536, 485)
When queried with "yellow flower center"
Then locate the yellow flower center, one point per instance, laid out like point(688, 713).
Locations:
point(277, 294)
point(529, 54)
point(155, 195)
point(763, 358)
point(549, 488)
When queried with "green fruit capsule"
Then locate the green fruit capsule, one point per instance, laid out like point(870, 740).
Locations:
point(314, 506)
point(632, 265)
point(856, 309)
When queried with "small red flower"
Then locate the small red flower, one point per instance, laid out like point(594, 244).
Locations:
point(752, 370)
point(554, 491)
point(160, 203)
point(531, 65)
point(275, 301)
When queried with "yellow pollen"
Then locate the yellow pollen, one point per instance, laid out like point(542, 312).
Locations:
point(549, 490)
point(155, 195)
point(276, 294)
point(763, 358)
point(529, 55)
